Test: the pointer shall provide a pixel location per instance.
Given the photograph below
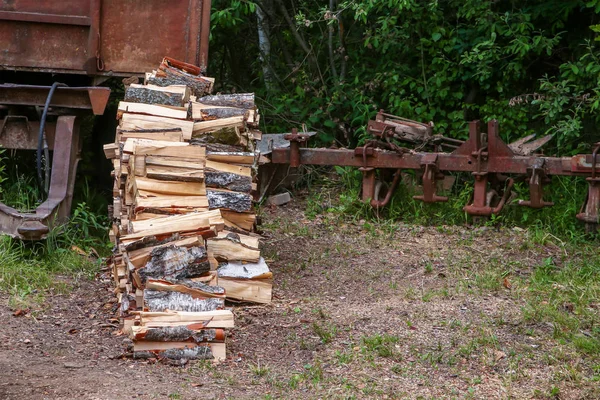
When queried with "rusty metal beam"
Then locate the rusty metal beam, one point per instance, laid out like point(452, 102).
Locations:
point(446, 161)
point(84, 98)
point(45, 18)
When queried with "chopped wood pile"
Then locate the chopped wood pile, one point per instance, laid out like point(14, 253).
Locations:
point(184, 175)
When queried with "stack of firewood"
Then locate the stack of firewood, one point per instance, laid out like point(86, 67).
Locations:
point(184, 167)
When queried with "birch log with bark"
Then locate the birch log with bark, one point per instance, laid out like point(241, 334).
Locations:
point(239, 100)
point(176, 334)
point(175, 262)
point(235, 201)
point(175, 301)
point(150, 94)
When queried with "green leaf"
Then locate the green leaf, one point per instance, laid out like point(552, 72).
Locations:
point(436, 36)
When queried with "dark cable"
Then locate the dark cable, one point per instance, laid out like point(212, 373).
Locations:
point(42, 134)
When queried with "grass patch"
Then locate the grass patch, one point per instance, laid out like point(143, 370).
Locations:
point(30, 268)
point(380, 345)
point(568, 298)
point(325, 332)
point(558, 221)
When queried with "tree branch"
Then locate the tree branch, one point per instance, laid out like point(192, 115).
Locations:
point(330, 40)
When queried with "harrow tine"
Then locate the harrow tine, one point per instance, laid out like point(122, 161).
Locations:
point(524, 147)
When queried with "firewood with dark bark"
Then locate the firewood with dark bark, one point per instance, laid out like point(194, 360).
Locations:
point(235, 201)
point(179, 350)
point(168, 75)
point(188, 286)
point(176, 334)
point(238, 100)
point(153, 94)
point(175, 262)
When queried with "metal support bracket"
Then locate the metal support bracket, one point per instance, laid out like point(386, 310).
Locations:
point(431, 175)
point(537, 180)
point(36, 225)
point(589, 209)
point(295, 139)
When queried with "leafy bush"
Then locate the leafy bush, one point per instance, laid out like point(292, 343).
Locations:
point(533, 65)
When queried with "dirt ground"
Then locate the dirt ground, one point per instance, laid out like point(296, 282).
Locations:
point(359, 311)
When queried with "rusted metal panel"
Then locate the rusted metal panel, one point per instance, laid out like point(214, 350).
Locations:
point(62, 7)
point(102, 37)
point(17, 132)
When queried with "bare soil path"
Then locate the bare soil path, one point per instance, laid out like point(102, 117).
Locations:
point(360, 311)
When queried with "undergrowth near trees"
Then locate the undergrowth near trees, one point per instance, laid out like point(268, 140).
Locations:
point(339, 193)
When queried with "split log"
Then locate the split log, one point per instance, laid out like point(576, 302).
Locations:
point(212, 218)
point(188, 223)
point(246, 281)
point(175, 262)
point(111, 150)
point(239, 270)
point(176, 96)
point(243, 158)
point(183, 151)
point(176, 301)
point(229, 168)
point(179, 350)
point(238, 100)
point(251, 290)
point(244, 221)
point(226, 180)
point(140, 257)
point(178, 162)
point(219, 147)
point(136, 146)
point(165, 135)
point(175, 174)
point(203, 127)
point(177, 204)
point(151, 109)
point(173, 72)
point(200, 233)
point(193, 320)
point(205, 112)
point(235, 201)
point(232, 246)
point(142, 122)
point(228, 135)
point(150, 241)
point(176, 334)
point(167, 187)
point(197, 290)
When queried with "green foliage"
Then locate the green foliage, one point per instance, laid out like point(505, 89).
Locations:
point(380, 345)
point(29, 269)
point(533, 65)
point(341, 198)
point(325, 332)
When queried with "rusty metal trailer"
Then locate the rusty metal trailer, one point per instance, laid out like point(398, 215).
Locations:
point(91, 40)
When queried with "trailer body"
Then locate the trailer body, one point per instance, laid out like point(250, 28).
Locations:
point(102, 37)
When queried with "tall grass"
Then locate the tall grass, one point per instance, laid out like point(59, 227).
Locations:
point(568, 194)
